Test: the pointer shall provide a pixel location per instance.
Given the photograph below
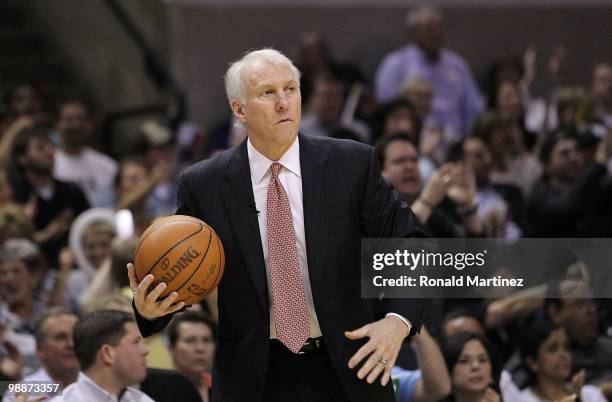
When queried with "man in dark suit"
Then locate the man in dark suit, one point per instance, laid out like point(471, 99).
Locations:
point(290, 211)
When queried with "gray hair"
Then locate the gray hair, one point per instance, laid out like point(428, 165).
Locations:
point(23, 250)
point(234, 84)
point(416, 15)
point(41, 319)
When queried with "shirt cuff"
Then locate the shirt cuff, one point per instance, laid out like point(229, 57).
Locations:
point(404, 320)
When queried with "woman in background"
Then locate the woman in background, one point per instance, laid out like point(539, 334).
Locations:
point(474, 369)
point(546, 354)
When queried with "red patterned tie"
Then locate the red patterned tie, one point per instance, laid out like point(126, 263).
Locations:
point(288, 298)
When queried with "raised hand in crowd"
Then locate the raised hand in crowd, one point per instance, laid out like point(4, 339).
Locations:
point(67, 262)
point(56, 228)
point(8, 137)
point(430, 142)
point(436, 189)
point(604, 150)
point(11, 365)
point(463, 190)
point(575, 386)
point(139, 193)
point(463, 193)
point(490, 395)
point(161, 171)
point(496, 221)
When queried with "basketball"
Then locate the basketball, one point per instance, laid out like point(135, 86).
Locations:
point(183, 252)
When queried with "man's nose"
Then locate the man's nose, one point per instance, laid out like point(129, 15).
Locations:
point(283, 103)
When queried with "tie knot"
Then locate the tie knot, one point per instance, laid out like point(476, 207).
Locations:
point(275, 168)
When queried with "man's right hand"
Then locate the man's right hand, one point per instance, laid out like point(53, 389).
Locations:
point(146, 302)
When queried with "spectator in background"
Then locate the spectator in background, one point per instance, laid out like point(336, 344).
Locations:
point(511, 163)
point(6, 192)
point(545, 350)
point(14, 224)
point(159, 384)
point(75, 161)
point(324, 110)
point(112, 357)
point(474, 316)
point(570, 101)
point(456, 98)
point(576, 311)
point(473, 367)
point(313, 58)
point(91, 236)
point(394, 116)
point(506, 100)
point(601, 94)
point(133, 185)
point(564, 202)
point(461, 320)
point(52, 203)
point(55, 349)
point(398, 116)
point(445, 204)
point(436, 138)
point(499, 205)
point(21, 273)
point(24, 101)
point(431, 381)
point(191, 337)
point(110, 278)
point(162, 156)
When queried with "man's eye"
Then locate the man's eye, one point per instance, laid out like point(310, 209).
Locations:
point(290, 89)
point(268, 92)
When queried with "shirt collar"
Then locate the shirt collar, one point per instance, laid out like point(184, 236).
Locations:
point(260, 164)
point(83, 378)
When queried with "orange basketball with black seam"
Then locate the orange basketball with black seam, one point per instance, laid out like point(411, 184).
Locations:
point(185, 253)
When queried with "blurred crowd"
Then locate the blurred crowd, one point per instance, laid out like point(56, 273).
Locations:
point(487, 159)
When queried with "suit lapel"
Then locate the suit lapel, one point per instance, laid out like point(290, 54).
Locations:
point(317, 191)
point(238, 198)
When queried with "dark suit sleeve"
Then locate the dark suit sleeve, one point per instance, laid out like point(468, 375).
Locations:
point(150, 327)
point(385, 215)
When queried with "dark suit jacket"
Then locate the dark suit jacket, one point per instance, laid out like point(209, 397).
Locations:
point(345, 198)
point(169, 386)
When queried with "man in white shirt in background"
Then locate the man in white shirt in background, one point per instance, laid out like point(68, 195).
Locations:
point(112, 354)
point(93, 171)
point(55, 350)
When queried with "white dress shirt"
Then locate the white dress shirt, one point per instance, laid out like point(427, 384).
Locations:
point(85, 389)
point(290, 177)
point(39, 375)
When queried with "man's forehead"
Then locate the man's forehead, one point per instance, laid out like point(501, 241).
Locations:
point(60, 319)
point(193, 326)
point(263, 72)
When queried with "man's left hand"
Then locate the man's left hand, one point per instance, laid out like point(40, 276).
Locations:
point(386, 337)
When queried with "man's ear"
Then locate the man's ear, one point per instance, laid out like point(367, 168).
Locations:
point(238, 110)
point(107, 354)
